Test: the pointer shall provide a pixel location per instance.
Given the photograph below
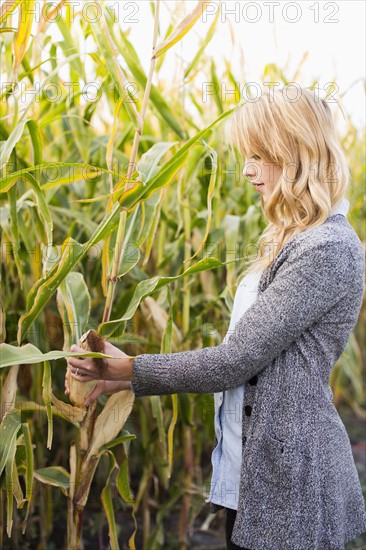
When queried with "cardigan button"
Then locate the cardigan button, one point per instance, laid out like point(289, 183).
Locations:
point(253, 380)
point(244, 438)
point(248, 410)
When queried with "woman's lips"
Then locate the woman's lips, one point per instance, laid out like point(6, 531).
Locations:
point(258, 185)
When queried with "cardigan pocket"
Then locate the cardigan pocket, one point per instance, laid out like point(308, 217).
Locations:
point(277, 461)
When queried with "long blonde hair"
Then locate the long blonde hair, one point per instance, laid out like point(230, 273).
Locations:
point(294, 129)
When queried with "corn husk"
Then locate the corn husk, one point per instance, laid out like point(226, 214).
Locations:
point(106, 428)
point(90, 341)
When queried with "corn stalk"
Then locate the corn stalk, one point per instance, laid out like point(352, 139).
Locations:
point(113, 276)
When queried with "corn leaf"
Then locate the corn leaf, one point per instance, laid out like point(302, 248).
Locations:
point(56, 476)
point(117, 441)
point(109, 53)
point(162, 108)
point(71, 253)
point(50, 15)
point(205, 42)
point(42, 207)
point(166, 347)
point(9, 428)
point(7, 146)
point(29, 471)
point(26, 17)
point(211, 190)
point(7, 8)
point(14, 228)
point(17, 490)
point(74, 304)
point(107, 501)
point(69, 47)
point(124, 489)
point(47, 396)
point(123, 484)
point(30, 355)
point(10, 482)
point(164, 176)
point(74, 175)
point(147, 287)
point(9, 390)
point(181, 30)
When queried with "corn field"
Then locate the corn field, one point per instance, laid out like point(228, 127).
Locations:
point(127, 216)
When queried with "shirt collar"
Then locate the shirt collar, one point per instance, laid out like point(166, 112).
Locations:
point(341, 207)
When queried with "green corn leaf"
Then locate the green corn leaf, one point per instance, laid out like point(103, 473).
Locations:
point(14, 228)
point(211, 190)
point(37, 142)
point(123, 484)
point(42, 207)
point(29, 471)
point(9, 428)
point(157, 412)
point(149, 162)
point(106, 498)
point(71, 254)
point(11, 484)
point(69, 47)
point(74, 175)
point(181, 30)
point(6, 147)
point(17, 490)
point(117, 441)
point(56, 476)
point(29, 354)
point(164, 176)
point(107, 48)
point(205, 42)
point(217, 87)
point(52, 75)
point(47, 395)
point(166, 347)
point(147, 287)
point(7, 8)
point(46, 288)
point(74, 303)
point(25, 21)
point(162, 108)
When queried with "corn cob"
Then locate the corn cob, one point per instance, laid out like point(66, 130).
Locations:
point(90, 341)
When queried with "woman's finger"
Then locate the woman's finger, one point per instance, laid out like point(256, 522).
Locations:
point(98, 390)
point(82, 375)
point(77, 362)
point(76, 349)
point(67, 387)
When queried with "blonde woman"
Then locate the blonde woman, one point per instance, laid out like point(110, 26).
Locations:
point(283, 467)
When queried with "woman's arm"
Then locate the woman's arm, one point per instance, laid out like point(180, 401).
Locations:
point(307, 285)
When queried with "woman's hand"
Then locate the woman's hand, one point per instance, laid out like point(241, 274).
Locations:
point(103, 387)
point(83, 369)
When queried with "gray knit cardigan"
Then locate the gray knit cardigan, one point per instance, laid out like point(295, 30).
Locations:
point(299, 487)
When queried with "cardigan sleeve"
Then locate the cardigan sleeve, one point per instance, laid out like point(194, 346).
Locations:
point(307, 284)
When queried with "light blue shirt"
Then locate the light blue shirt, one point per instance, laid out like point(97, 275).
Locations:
point(227, 455)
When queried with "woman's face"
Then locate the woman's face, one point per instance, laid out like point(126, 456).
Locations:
point(262, 173)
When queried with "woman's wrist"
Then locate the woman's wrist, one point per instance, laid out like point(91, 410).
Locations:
point(126, 369)
point(132, 378)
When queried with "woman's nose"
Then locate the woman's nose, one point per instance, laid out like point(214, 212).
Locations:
point(249, 170)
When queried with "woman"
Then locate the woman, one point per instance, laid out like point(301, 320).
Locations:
point(289, 455)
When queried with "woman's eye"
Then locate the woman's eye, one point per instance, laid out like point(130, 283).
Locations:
point(255, 157)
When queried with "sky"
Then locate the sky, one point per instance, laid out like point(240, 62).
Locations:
point(259, 33)
point(328, 36)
